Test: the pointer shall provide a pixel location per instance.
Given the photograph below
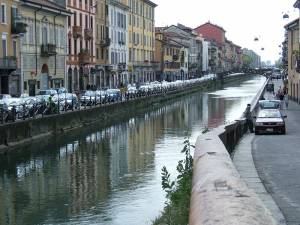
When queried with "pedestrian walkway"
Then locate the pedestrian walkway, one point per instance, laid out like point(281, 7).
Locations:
point(244, 164)
point(276, 158)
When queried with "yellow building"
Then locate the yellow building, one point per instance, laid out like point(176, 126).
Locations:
point(102, 42)
point(10, 29)
point(44, 46)
point(293, 59)
point(168, 53)
point(141, 41)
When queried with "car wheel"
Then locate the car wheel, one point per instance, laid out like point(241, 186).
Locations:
point(283, 131)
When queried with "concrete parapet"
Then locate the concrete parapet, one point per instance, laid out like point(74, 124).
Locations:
point(219, 195)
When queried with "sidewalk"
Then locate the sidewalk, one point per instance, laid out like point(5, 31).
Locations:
point(277, 162)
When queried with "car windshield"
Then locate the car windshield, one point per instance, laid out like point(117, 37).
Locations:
point(270, 105)
point(269, 114)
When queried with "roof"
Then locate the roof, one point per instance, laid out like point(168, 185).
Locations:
point(48, 4)
point(209, 23)
point(292, 24)
point(150, 3)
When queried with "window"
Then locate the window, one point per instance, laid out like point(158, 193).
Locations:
point(86, 21)
point(75, 18)
point(70, 47)
point(92, 22)
point(97, 53)
point(44, 35)
point(14, 48)
point(69, 21)
point(80, 19)
point(4, 45)
point(3, 13)
point(25, 85)
point(75, 47)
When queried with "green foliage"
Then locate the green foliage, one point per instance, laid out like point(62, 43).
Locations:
point(247, 60)
point(178, 192)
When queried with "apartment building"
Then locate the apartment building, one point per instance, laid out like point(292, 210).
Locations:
point(11, 28)
point(118, 48)
point(102, 44)
point(141, 31)
point(43, 53)
point(81, 45)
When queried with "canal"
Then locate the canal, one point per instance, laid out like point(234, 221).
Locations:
point(113, 175)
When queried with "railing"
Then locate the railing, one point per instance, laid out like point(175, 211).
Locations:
point(77, 31)
point(84, 58)
point(146, 64)
point(9, 62)
point(105, 42)
point(17, 26)
point(88, 34)
point(172, 65)
point(48, 50)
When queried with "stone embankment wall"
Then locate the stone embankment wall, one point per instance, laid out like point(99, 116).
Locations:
point(20, 133)
point(219, 196)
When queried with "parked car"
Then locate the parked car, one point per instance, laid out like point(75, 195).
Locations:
point(51, 92)
point(269, 104)
point(114, 95)
point(270, 121)
point(88, 98)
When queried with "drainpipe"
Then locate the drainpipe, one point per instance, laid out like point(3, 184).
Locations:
point(36, 57)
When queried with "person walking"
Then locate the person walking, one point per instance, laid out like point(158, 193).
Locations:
point(286, 100)
point(248, 116)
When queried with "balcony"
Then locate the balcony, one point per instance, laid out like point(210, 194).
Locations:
point(77, 31)
point(48, 50)
point(9, 62)
point(17, 26)
point(84, 57)
point(172, 65)
point(146, 63)
point(105, 42)
point(88, 34)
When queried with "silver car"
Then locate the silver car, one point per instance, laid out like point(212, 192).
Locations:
point(270, 121)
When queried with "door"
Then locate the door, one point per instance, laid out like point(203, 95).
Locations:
point(31, 89)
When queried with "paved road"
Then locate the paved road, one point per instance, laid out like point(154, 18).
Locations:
point(277, 160)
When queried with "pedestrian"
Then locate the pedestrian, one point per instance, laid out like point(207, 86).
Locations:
point(286, 100)
point(248, 116)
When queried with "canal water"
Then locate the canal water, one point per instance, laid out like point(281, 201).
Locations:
point(113, 175)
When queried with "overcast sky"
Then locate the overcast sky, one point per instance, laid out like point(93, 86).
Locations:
point(243, 20)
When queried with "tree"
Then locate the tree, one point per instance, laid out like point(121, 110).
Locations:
point(247, 60)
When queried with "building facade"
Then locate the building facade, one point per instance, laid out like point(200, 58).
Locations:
point(118, 48)
point(216, 35)
point(102, 43)
point(11, 29)
point(81, 45)
point(255, 59)
point(141, 31)
point(171, 58)
point(43, 53)
point(293, 59)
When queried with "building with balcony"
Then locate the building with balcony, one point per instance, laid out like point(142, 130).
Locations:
point(81, 44)
point(170, 56)
point(117, 75)
point(141, 41)
point(216, 34)
point(43, 53)
point(11, 28)
point(102, 44)
point(293, 56)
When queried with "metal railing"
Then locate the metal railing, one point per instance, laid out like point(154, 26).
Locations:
point(57, 104)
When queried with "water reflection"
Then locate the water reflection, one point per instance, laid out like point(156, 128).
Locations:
point(111, 176)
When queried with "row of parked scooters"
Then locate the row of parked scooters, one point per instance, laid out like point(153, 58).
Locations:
point(54, 101)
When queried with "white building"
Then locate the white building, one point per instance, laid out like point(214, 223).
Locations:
point(118, 49)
